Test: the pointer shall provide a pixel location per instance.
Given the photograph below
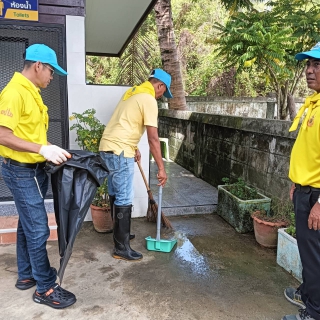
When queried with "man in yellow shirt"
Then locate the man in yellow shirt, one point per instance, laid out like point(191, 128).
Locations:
point(1, 8)
point(305, 191)
point(25, 149)
point(136, 111)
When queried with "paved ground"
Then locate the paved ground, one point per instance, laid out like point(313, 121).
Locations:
point(184, 193)
point(213, 273)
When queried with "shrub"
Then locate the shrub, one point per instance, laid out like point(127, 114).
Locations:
point(280, 211)
point(292, 226)
point(89, 131)
point(88, 128)
point(241, 190)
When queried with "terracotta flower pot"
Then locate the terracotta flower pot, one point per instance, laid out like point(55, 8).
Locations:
point(101, 219)
point(266, 232)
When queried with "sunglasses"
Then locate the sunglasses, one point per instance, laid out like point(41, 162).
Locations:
point(52, 71)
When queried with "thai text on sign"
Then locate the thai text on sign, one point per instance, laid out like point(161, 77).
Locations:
point(19, 10)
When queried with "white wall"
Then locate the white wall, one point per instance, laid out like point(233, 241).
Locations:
point(103, 99)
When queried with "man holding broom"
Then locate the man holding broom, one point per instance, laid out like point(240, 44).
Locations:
point(136, 111)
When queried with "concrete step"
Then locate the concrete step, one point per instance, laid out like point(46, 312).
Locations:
point(8, 208)
point(8, 229)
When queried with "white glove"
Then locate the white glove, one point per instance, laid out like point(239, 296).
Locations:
point(54, 154)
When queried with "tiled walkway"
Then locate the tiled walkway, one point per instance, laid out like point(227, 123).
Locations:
point(184, 193)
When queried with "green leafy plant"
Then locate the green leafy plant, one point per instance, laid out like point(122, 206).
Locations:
point(270, 39)
point(88, 128)
point(241, 190)
point(89, 131)
point(291, 229)
point(101, 198)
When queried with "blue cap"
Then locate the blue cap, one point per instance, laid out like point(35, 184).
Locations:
point(44, 54)
point(313, 53)
point(165, 78)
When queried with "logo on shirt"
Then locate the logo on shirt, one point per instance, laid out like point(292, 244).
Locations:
point(311, 121)
point(7, 113)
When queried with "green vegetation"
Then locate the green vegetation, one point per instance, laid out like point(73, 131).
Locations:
point(280, 211)
point(241, 190)
point(292, 225)
point(225, 50)
point(270, 39)
point(193, 23)
point(89, 130)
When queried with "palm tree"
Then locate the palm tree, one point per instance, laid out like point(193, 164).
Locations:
point(134, 65)
point(169, 53)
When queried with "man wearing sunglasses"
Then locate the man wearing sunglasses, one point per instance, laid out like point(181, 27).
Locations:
point(24, 147)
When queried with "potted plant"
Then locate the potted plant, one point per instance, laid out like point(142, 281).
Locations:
point(236, 202)
point(266, 224)
point(288, 256)
point(101, 211)
point(89, 131)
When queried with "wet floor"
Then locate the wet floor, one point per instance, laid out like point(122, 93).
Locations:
point(220, 274)
point(211, 273)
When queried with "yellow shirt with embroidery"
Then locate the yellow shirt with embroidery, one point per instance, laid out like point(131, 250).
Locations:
point(20, 112)
point(305, 154)
point(127, 124)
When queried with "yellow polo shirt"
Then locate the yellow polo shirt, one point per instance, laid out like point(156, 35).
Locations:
point(127, 124)
point(20, 113)
point(305, 154)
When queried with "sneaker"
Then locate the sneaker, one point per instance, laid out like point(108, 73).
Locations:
point(302, 315)
point(56, 297)
point(29, 283)
point(294, 296)
point(25, 284)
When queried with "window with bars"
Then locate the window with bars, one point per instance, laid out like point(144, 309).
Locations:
point(14, 40)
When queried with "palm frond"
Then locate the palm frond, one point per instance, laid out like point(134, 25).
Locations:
point(134, 66)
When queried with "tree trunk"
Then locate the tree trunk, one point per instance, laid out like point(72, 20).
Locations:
point(169, 53)
point(283, 107)
point(291, 106)
point(278, 93)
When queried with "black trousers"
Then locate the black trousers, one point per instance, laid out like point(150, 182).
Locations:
point(309, 248)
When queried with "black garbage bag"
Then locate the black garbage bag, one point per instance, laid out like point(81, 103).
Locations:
point(74, 184)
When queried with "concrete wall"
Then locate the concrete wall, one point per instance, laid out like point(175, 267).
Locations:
point(217, 146)
point(260, 107)
point(102, 98)
point(243, 107)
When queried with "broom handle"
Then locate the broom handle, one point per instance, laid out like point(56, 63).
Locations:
point(143, 176)
point(159, 214)
point(165, 219)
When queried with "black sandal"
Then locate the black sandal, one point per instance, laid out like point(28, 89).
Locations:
point(29, 283)
point(25, 284)
point(56, 297)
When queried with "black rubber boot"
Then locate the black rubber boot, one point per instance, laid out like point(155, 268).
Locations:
point(121, 235)
point(112, 199)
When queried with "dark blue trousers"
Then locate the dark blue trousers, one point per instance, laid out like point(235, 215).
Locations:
point(309, 249)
